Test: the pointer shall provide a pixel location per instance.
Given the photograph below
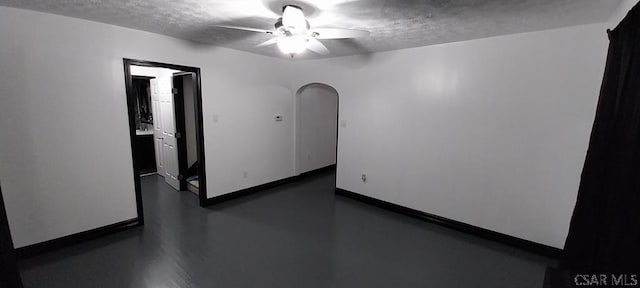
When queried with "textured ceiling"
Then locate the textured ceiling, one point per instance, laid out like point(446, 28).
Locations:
point(394, 24)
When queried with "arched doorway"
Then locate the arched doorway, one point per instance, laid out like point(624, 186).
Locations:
point(316, 127)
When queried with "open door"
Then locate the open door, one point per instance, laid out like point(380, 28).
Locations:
point(158, 138)
point(9, 276)
point(169, 136)
point(164, 130)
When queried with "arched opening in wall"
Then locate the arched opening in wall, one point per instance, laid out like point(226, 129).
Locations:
point(316, 127)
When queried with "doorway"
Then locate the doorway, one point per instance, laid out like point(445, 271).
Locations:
point(165, 122)
point(316, 127)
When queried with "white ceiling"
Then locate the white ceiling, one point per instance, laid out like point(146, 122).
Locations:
point(394, 24)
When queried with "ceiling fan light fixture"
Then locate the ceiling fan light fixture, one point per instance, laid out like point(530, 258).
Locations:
point(293, 45)
point(293, 33)
point(293, 17)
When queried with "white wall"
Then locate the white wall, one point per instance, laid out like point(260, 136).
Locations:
point(190, 119)
point(65, 152)
point(490, 132)
point(316, 127)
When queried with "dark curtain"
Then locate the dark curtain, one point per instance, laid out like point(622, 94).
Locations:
point(604, 236)
point(9, 276)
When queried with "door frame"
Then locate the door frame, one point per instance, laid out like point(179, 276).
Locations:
point(180, 121)
point(202, 189)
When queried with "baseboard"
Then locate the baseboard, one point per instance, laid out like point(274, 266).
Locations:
point(523, 244)
point(266, 186)
point(58, 243)
point(316, 171)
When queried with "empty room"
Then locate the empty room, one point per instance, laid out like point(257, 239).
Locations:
point(320, 143)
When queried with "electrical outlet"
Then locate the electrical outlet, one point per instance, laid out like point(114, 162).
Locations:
point(364, 177)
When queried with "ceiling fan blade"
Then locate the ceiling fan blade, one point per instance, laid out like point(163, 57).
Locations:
point(338, 33)
point(268, 42)
point(316, 46)
point(245, 29)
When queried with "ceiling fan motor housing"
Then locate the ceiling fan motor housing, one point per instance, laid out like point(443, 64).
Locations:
point(292, 21)
point(291, 5)
point(281, 30)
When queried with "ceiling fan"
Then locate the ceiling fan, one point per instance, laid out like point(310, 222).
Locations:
point(294, 35)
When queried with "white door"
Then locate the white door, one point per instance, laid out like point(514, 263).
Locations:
point(169, 143)
point(158, 137)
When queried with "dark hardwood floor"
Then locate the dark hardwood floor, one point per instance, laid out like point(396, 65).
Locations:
point(296, 235)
